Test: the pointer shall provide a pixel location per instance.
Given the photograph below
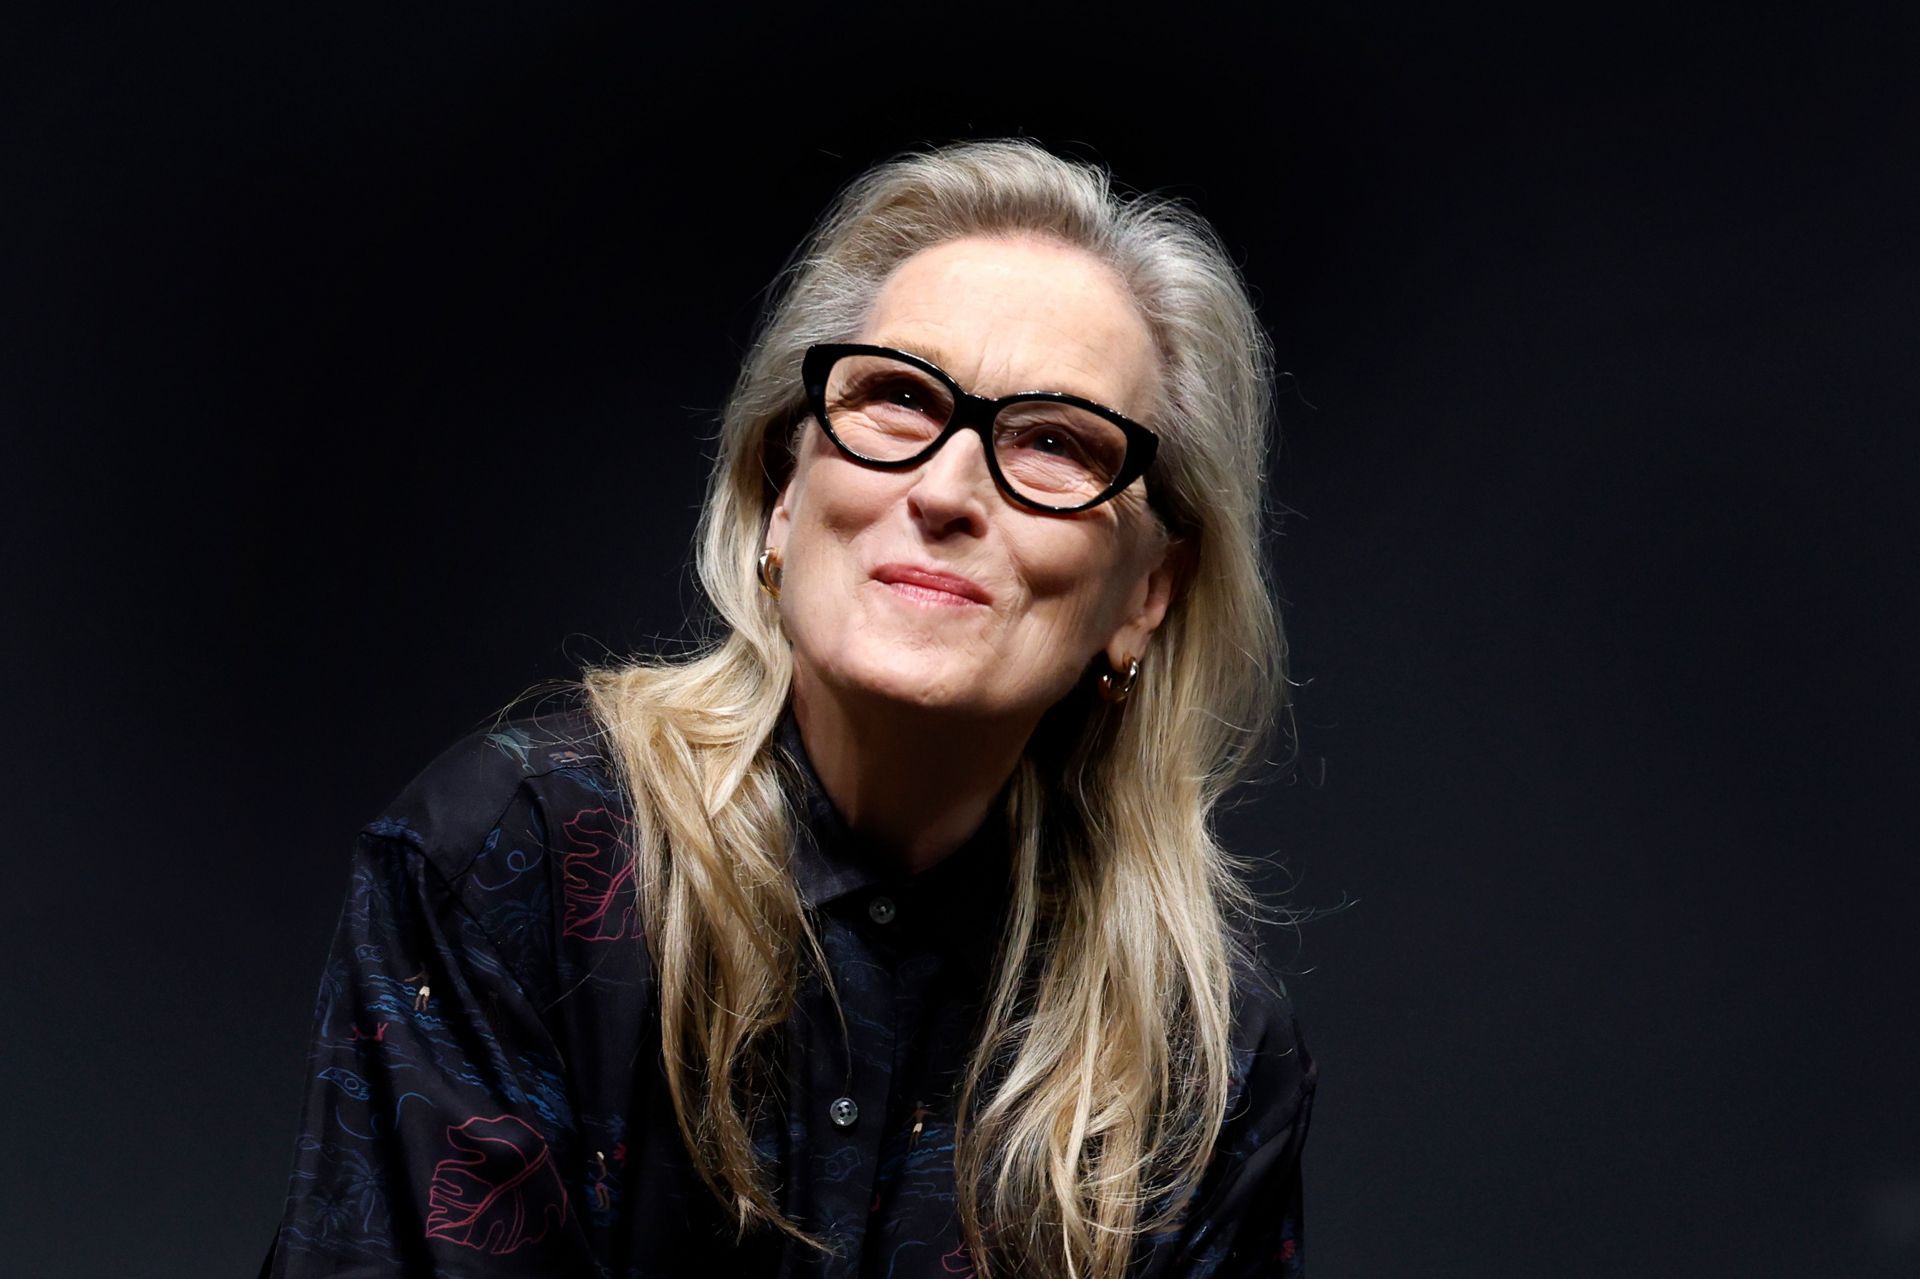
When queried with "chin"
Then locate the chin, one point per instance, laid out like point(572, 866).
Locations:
point(913, 680)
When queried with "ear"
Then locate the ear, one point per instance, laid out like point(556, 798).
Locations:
point(780, 520)
point(780, 517)
point(1152, 597)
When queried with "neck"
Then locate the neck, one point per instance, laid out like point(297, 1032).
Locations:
point(915, 783)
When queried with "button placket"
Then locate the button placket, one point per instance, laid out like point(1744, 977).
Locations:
point(846, 1154)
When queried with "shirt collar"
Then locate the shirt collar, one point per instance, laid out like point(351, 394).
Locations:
point(831, 861)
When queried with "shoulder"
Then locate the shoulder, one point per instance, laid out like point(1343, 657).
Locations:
point(523, 833)
point(526, 771)
point(1272, 1070)
point(1244, 1215)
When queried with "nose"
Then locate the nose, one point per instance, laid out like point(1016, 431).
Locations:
point(951, 489)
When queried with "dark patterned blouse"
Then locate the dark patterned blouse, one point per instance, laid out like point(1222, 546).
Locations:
point(485, 1094)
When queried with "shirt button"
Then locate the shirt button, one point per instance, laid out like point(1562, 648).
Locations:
point(843, 1112)
point(880, 910)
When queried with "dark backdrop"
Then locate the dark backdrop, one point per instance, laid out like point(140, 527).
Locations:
point(360, 367)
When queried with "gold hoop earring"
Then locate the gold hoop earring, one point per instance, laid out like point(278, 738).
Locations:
point(1118, 692)
point(771, 571)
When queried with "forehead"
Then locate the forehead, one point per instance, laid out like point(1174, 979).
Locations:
point(1020, 314)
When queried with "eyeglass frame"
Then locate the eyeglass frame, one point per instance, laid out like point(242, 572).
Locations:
point(977, 413)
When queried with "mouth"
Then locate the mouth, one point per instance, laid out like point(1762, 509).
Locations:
point(931, 586)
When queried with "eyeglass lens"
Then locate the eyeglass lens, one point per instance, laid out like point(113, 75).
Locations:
point(1055, 454)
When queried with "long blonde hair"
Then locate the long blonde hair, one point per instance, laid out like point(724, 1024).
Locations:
point(1092, 1101)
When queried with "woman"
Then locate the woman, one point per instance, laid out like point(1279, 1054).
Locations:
point(888, 935)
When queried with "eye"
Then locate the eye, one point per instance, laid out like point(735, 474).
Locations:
point(901, 393)
point(1051, 440)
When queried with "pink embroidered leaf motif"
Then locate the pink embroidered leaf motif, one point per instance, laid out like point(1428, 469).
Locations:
point(597, 876)
point(501, 1194)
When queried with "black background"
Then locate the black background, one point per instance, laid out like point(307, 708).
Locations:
point(361, 366)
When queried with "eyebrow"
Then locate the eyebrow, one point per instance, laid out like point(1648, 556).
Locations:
point(925, 350)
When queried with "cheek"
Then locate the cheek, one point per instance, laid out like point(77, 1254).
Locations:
point(1076, 587)
point(833, 506)
point(832, 516)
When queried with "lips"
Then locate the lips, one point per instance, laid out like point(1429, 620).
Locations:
point(930, 579)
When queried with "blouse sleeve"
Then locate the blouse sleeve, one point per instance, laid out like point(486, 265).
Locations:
point(1249, 1219)
point(437, 1137)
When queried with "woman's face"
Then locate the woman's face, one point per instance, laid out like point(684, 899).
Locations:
point(1042, 594)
